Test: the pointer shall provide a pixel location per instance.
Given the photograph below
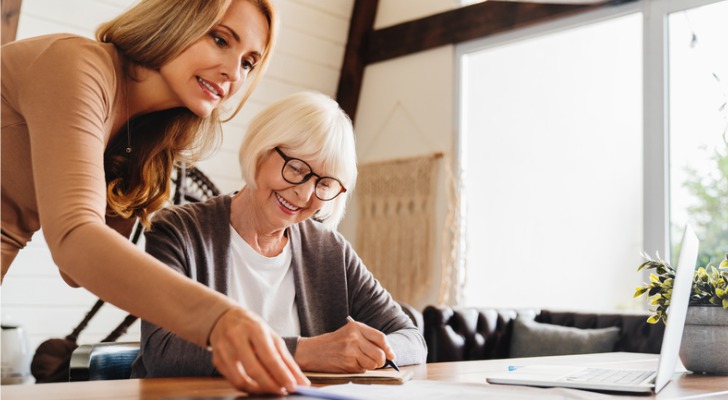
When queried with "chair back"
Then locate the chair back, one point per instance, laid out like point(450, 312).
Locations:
point(103, 361)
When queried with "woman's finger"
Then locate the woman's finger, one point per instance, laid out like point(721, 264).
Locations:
point(370, 355)
point(375, 337)
point(225, 363)
point(244, 351)
point(264, 365)
point(301, 379)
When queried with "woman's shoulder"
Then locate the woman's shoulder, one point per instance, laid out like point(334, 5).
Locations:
point(204, 212)
point(65, 44)
point(60, 56)
point(315, 233)
point(54, 37)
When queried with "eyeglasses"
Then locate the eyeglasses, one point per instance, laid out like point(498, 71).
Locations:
point(297, 171)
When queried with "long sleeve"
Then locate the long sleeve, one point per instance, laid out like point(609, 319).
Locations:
point(191, 241)
point(332, 282)
point(63, 92)
point(371, 304)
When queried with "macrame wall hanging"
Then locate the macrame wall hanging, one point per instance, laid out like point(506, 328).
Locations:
point(396, 227)
point(452, 259)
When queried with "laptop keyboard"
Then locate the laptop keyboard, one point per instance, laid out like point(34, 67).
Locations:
point(610, 375)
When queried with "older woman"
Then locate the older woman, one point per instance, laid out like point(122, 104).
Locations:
point(271, 247)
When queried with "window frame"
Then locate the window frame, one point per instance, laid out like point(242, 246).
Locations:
point(656, 189)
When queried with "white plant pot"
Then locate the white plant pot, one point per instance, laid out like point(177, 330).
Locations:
point(704, 346)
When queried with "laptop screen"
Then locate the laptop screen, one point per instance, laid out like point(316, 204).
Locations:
point(678, 309)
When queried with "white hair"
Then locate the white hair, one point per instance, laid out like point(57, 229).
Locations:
point(316, 128)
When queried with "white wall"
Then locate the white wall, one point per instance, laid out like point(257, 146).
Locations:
point(406, 109)
point(308, 57)
point(392, 12)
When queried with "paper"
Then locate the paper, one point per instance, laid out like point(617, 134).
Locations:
point(380, 376)
point(425, 390)
point(312, 392)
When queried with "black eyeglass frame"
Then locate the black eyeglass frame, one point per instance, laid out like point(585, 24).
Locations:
point(308, 176)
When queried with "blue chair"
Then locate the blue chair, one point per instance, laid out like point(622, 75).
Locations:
point(103, 361)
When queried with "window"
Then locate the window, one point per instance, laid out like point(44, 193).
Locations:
point(698, 128)
point(552, 152)
point(567, 176)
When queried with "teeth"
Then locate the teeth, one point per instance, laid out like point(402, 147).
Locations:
point(285, 203)
point(208, 86)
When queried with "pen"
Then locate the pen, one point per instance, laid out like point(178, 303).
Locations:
point(389, 363)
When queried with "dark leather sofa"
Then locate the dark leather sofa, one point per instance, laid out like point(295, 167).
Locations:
point(469, 333)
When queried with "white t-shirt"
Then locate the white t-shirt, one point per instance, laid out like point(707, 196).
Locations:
point(264, 285)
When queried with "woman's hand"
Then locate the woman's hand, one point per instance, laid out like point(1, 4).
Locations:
point(251, 356)
point(353, 348)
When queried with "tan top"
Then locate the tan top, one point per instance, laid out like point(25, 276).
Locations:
point(61, 104)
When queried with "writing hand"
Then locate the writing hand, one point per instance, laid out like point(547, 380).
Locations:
point(251, 356)
point(353, 348)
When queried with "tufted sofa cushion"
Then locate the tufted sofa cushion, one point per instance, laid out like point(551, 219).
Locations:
point(471, 333)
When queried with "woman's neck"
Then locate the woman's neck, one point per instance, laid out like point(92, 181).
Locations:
point(248, 224)
point(148, 93)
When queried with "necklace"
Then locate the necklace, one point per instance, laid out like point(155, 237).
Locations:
point(128, 118)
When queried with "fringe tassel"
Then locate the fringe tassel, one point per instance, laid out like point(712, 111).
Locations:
point(397, 222)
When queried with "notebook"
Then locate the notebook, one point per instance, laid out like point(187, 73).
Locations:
point(386, 376)
point(621, 380)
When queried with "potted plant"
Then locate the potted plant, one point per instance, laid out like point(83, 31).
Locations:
point(705, 337)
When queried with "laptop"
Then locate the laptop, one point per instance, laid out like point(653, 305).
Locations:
point(623, 380)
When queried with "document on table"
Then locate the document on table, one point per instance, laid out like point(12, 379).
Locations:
point(424, 390)
point(379, 376)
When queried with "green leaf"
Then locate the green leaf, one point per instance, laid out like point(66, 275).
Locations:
point(653, 319)
point(643, 265)
point(640, 291)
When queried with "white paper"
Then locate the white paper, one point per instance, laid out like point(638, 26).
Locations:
point(417, 389)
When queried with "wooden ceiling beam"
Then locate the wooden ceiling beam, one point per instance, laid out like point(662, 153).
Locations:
point(352, 69)
point(366, 45)
point(463, 24)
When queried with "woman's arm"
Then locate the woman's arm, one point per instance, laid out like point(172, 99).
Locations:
point(162, 353)
point(371, 304)
point(67, 105)
point(382, 329)
point(67, 102)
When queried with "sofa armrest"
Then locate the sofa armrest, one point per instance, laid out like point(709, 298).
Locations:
point(414, 315)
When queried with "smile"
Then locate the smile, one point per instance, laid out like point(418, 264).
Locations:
point(286, 204)
point(210, 87)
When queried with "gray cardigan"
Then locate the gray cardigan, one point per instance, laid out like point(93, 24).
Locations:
point(331, 283)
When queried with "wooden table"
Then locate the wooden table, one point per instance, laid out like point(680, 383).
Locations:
point(686, 386)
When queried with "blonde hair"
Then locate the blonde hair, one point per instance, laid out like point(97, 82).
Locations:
point(313, 127)
point(149, 35)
